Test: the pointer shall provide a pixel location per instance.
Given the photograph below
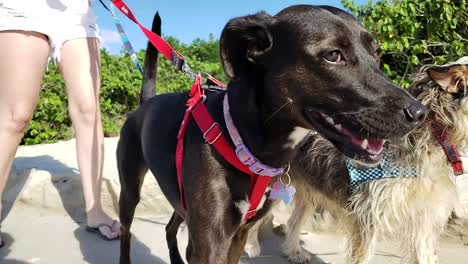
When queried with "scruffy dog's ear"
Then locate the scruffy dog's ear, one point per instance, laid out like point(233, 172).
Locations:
point(245, 40)
point(451, 78)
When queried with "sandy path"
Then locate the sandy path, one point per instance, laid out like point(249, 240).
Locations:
point(44, 223)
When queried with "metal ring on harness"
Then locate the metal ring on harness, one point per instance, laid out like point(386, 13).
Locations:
point(286, 172)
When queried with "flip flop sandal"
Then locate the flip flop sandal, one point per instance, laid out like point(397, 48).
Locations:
point(2, 244)
point(96, 230)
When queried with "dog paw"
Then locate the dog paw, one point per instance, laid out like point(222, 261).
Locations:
point(301, 256)
point(280, 230)
point(253, 250)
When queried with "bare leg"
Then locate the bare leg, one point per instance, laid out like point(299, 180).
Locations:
point(80, 66)
point(19, 90)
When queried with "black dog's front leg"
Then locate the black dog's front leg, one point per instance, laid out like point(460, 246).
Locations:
point(238, 243)
point(211, 232)
point(213, 215)
point(210, 246)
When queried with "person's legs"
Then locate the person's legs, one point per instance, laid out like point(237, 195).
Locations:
point(80, 66)
point(23, 57)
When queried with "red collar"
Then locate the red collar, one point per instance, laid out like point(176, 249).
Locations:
point(440, 132)
point(213, 135)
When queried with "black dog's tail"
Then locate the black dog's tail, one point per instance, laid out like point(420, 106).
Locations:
point(148, 88)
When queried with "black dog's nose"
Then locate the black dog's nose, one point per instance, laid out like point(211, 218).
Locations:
point(416, 113)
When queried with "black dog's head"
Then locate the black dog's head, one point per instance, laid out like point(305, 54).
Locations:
point(326, 62)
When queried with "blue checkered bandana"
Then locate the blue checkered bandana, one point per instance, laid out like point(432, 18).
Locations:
point(386, 169)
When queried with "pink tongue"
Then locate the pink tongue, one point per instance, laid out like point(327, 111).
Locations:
point(375, 144)
point(357, 140)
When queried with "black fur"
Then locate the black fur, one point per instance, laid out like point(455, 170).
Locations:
point(148, 88)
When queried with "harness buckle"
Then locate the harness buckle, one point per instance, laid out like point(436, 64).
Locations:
point(252, 211)
point(216, 136)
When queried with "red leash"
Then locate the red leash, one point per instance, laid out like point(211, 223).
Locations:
point(163, 46)
point(159, 43)
point(440, 132)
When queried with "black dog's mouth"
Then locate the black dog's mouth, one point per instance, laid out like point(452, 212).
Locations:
point(367, 150)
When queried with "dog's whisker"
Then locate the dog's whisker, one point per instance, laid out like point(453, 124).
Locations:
point(356, 112)
point(288, 101)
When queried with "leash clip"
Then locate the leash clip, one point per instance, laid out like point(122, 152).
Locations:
point(189, 72)
point(215, 137)
point(179, 62)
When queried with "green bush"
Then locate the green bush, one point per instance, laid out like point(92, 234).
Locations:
point(50, 121)
point(120, 90)
point(412, 33)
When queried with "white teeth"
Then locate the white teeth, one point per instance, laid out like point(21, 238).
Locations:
point(375, 152)
point(364, 144)
point(330, 120)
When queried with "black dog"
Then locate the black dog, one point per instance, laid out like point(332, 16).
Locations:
point(289, 73)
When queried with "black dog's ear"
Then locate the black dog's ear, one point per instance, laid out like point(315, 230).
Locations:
point(245, 40)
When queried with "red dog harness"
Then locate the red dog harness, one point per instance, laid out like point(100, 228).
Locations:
point(241, 158)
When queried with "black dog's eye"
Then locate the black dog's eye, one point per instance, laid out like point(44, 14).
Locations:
point(334, 57)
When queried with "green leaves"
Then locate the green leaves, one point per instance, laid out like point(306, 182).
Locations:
point(425, 31)
point(120, 89)
point(201, 55)
point(410, 32)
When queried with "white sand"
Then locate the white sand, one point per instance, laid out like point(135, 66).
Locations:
point(44, 223)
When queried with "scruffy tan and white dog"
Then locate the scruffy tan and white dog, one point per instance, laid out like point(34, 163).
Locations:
point(415, 208)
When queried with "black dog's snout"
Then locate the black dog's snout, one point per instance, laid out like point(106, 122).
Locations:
point(416, 113)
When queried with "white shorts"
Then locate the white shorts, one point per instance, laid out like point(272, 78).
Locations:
point(59, 20)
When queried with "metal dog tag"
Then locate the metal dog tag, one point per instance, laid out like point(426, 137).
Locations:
point(283, 192)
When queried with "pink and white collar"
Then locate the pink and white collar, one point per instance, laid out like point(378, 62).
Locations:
point(242, 152)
